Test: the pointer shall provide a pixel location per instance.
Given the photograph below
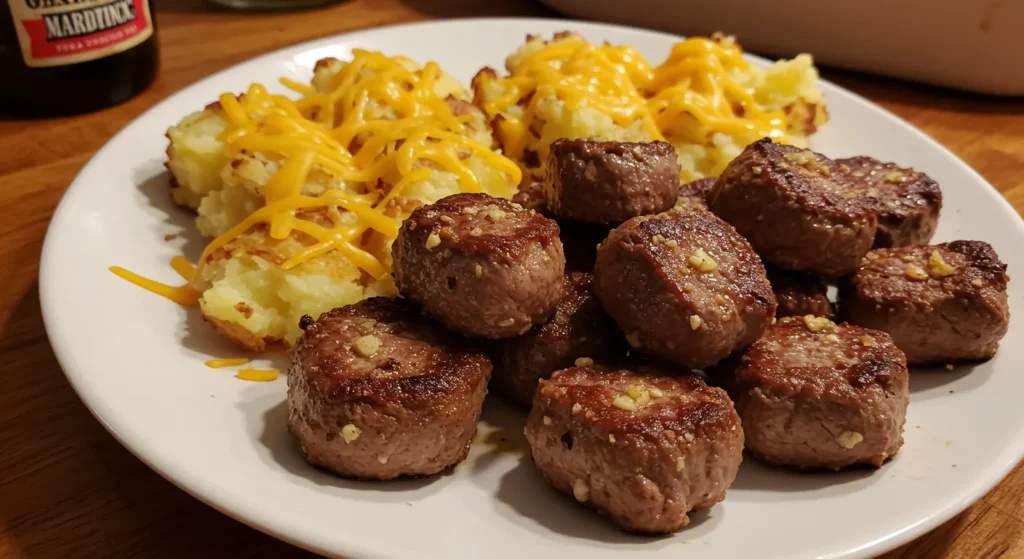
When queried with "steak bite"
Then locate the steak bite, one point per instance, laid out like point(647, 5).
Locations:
point(816, 395)
point(641, 447)
point(684, 287)
point(610, 182)
point(578, 329)
point(941, 303)
point(483, 266)
point(797, 209)
point(907, 202)
point(799, 294)
point(376, 390)
point(531, 197)
point(696, 193)
point(579, 240)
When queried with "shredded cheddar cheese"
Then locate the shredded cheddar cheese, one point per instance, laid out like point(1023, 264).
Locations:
point(696, 82)
point(336, 129)
point(258, 375)
point(703, 98)
point(184, 268)
point(183, 295)
point(230, 362)
point(601, 77)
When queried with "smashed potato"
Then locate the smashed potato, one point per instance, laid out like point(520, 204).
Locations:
point(250, 298)
point(685, 105)
point(245, 292)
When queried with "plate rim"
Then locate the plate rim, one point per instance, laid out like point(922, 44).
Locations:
point(310, 540)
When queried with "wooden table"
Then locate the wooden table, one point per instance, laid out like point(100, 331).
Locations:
point(67, 489)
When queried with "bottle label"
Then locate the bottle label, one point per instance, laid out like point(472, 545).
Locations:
point(60, 32)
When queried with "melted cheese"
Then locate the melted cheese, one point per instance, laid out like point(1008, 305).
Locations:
point(339, 131)
point(258, 375)
point(601, 77)
point(183, 295)
point(335, 131)
point(697, 81)
point(184, 268)
point(230, 362)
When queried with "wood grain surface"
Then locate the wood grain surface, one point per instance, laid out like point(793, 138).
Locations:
point(67, 489)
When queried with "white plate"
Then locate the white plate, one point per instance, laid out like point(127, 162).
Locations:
point(137, 362)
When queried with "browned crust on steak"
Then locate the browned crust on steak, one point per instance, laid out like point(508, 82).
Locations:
point(796, 209)
point(610, 182)
point(648, 284)
point(594, 387)
point(783, 355)
point(959, 315)
point(376, 390)
point(508, 237)
point(906, 201)
point(483, 266)
point(799, 294)
point(808, 387)
point(449, 365)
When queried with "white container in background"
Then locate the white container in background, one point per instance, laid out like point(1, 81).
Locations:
point(973, 45)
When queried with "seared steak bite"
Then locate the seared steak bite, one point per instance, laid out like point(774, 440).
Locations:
point(940, 303)
point(813, 394)
point(684, 287)
point(376, 390)
point(799, 294)
point(696, 193)
point(531, 197)
point(635, 444)
point(907, 202)
point(579, 328)
point(796, 208)
point(610, 182)
point(483, 266)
